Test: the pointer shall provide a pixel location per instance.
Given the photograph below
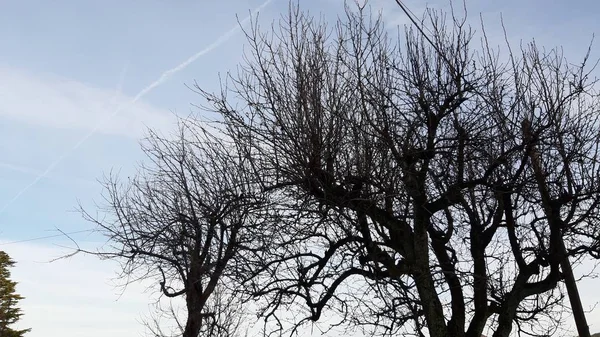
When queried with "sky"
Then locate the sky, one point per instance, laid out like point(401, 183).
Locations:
point(80, 81)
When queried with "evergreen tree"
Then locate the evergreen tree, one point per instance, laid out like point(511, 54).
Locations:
point(10, 313)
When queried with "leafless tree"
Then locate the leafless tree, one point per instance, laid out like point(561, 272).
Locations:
point(418, 182)
point(186, 220)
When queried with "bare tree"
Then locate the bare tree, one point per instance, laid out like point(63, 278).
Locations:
point(537, 165)
point(418, 183)
point(185, 220)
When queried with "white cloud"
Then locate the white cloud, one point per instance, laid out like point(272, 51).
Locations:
point(74, 297)
point(61, 103)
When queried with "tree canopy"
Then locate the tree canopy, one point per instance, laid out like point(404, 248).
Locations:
point(10, 313)
point(395, 184)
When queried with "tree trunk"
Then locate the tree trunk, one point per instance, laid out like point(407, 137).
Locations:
point(578, 313)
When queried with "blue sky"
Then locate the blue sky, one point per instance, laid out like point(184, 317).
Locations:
point(66, 66)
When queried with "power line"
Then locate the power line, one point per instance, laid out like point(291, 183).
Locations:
point(411, 16)
point(47, 237)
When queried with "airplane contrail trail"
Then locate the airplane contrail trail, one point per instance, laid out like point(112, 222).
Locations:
point(77, 145)
point(165, 75)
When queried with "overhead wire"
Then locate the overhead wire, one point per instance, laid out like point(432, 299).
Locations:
point(421, 28)
point(47, 237)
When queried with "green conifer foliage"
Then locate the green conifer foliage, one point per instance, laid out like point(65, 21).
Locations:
point(10, 313)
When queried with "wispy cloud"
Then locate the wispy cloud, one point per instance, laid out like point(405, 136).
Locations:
point(165, 75)
point(77, 297)
point(73, 297)
point(59, 103)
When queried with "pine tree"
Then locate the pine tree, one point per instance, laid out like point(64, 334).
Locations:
point(10, 313)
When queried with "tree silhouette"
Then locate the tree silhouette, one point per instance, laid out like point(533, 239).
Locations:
point(404, 184)
point(421, 182)
point(187, 220)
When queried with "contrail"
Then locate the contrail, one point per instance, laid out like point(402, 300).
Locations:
point(77, 145)
point(165, 75)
